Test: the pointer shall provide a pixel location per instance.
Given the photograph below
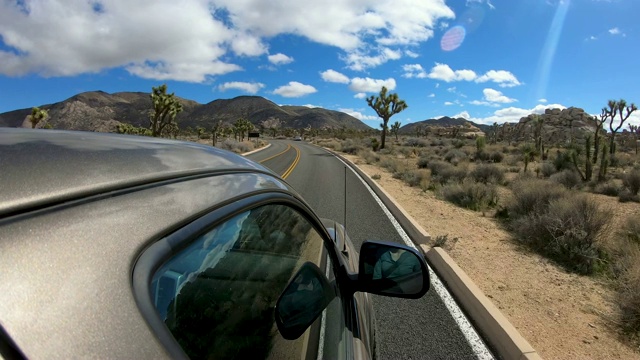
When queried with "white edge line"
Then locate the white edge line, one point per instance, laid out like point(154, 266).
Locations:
point(474, 340)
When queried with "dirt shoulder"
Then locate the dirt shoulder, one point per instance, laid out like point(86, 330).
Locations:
point(563, 315)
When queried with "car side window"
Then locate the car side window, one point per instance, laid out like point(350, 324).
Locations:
point(217, 296)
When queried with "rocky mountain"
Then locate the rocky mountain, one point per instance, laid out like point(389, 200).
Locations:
point(101, 111)
point(559, 125)
point(445, 124)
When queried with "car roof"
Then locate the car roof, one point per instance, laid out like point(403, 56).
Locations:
point(43, 167)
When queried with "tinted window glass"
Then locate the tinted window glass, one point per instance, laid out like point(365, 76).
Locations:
point(218, 295)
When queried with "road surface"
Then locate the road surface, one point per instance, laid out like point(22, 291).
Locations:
point(407, 329)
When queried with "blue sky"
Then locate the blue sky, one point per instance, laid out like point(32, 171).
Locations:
point(488, 61)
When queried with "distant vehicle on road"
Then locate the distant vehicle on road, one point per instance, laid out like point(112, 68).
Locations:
point(297, 138)
point(118, 246)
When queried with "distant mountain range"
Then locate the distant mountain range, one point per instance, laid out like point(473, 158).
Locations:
point(101, 111)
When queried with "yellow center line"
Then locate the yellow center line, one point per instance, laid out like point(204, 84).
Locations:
point(293, 165)
point(278, 154)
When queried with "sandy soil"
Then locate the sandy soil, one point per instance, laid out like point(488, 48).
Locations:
point(563, 315)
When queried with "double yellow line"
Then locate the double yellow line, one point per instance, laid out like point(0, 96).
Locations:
point(293, 165)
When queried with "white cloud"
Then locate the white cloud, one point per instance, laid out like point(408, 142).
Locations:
point(483, 103)
point(445, 73)
point(464, 115)
point(448, 103)
point(501, 77)
point(413, 71)
point(591, 38)
point(431, 95)
point(614, 31)
point(513, 114)
point(334, 77)
point(198, 37)
point(280, 59)
point(360, 60)
point(247, 87)
point(360, 95)
point(358, 115)
point(311, 106)
point(480, 2)
point(371, 85)
point(411, 54)
point(451, 89)
point(542, 100)
point(496, 96)
point(294, 89)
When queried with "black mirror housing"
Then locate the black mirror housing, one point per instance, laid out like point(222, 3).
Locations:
point(302, 301)
point(391, 269)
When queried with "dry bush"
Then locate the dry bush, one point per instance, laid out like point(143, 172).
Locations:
point(369, 156)
point(471, 195)
point(626, 270)
point(236, 147)
point(565, 226)
point(392, 164)
point(422, 162)
point(631, 181)
point(414, 142)
point(547, 169)
point(568, 178)
point(455, 155)
point(330, 143)
point(532, 195)
point(417, 177)
point(350, 146)
point(488, 173)
point(443, 172)
point(608, 188)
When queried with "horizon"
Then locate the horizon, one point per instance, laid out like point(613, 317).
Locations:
point(477, 59)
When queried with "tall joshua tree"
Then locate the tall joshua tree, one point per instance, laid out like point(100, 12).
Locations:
point(165, 109)
point(386, 105)
point(618, 108)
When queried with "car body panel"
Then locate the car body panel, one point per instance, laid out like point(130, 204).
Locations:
point(78, 210)
point(105, 162)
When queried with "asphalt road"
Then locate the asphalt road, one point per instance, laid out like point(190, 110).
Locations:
point(407, 329)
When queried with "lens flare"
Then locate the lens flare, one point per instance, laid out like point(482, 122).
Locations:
point(453, 38)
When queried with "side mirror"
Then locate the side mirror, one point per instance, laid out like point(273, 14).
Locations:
point(302, 301)
point(393, 270)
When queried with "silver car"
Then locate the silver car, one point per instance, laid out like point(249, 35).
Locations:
point(133, 247)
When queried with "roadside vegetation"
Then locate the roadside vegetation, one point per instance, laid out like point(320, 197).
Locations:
point(546, 193)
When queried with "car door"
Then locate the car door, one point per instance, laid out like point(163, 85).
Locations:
point(209, 290)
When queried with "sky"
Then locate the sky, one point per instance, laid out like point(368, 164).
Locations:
point(484, 60)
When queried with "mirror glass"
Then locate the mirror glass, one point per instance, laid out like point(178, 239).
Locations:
point(388, 269)
point(303, 300)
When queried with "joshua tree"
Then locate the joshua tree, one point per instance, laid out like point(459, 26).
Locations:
point(419, 130)
point(598, 124)
point(395, 128)
point(215, 130)
point(618, 108)
point(386, 105)
point(528, 153)
point(538, 126)
point(37, 115)
point(635, 131)
point(165, 109)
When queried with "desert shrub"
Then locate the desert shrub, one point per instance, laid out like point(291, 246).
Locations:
point(631, 230)
point(376, 176)
point(369, 156)
point(629, 297)
point(443, 172)
point(414, 142)
point(392, 164)
point(547, 169)
point(471, 195)
point(236, 147)
point(625, 195)
point(350, 146)
point(631, 181)
point(455, 155)
point(569, 230)
point(513, 160)
point(608, 188)
point(488, 173)
point(329, 143)
point(568, 178)
point(496, 157)
point(375, 145)
point(532, 195)
point(417, 177)
point(386, 151)
point(563, 161)
point(408, 151)
point(422, 162)
point(443, 241)
point(458, 143)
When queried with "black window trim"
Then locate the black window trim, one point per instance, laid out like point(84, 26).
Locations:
point(160, 251)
